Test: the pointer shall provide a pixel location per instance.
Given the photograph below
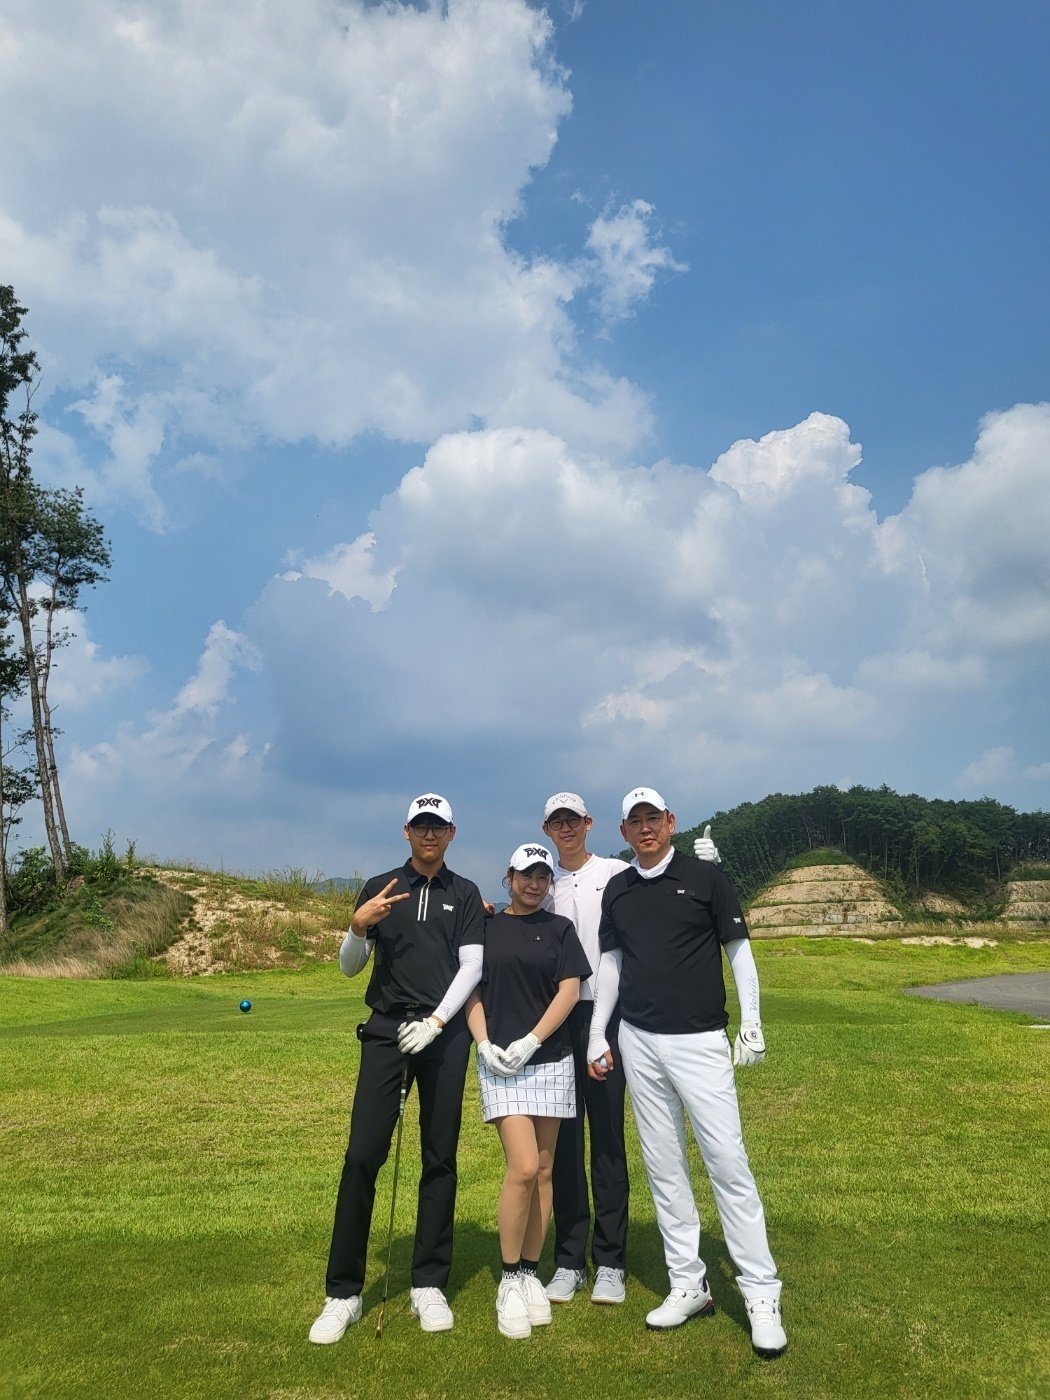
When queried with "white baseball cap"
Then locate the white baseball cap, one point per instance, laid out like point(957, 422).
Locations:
point(637, 796)
point(429, 804)
point(565, 802)
point(525, 857)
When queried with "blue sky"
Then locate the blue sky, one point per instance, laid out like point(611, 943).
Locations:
point(496, 400)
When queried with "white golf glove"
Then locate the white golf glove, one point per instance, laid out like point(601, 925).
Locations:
point(597, 1045)
point(750, 1045)
point(518, 1053)
point(491, 1056)
point(705, 849)
point(413, 1036)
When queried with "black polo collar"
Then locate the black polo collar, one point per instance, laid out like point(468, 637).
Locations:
point(674, 867)
point(416, 877)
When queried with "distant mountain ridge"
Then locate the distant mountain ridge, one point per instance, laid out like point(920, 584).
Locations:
point(324, 883)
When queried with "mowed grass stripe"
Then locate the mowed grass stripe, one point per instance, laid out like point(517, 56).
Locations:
point(166, 1200)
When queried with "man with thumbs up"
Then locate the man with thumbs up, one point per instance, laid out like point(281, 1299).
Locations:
point(579, 881)
point(665, 923)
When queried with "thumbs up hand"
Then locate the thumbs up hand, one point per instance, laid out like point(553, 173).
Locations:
point(705, 849)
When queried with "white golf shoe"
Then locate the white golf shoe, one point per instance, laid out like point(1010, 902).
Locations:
point(679, 1306)
point(609, 1286)
point(431, 1307)
point(537, 1304)
point(565, 1284)
point(767, 1330)
point(334, 1318)
point(512, 1313)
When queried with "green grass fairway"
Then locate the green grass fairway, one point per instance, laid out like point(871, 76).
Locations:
point(169, 1169)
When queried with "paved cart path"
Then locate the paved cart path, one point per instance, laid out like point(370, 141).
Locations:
point(1015, 991)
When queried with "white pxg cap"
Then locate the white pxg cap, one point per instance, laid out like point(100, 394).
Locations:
point(637, 796)
point(429, 804)
point(525, 857)
point(565, 802)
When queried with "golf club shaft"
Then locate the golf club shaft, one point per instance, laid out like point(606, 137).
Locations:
point(393, 1192)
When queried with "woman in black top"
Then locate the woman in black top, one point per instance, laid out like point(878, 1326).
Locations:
point(530, 983)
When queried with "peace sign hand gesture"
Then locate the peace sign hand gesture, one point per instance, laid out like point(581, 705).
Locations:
point(374, 910)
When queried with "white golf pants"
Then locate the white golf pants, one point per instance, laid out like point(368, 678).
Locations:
point(670, 1076)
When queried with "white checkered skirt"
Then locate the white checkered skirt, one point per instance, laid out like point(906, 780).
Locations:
point(538, 1091)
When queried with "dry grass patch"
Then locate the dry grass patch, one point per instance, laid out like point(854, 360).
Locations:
point(241, 924)
point(133, 933)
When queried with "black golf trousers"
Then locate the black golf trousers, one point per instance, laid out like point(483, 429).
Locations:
point(603, 1104)
point(438, 1073)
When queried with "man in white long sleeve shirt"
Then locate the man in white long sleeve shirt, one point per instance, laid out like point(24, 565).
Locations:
point(665, 921)
point(579, 883)
point(425, 926)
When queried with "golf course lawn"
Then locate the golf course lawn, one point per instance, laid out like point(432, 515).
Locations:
point(169, 1167)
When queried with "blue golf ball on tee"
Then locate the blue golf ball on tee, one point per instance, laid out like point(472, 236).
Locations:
point(246, 1005)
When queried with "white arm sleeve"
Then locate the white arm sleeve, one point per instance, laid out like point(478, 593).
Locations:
point(745, 975)
point(606, 992)
point(464, 982)
point(354, 953)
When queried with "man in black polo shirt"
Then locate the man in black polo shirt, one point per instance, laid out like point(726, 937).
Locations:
point(665, 922)
point(426, 926)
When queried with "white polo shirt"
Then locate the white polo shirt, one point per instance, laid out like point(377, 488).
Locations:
point(577, 895)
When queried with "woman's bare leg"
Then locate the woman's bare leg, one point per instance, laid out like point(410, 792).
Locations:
point(518, 1136)
point(546, 1136)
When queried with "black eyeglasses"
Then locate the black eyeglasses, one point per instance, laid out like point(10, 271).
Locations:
point(427, 824)
point(564, 823)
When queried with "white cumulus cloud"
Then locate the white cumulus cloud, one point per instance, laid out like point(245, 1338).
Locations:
point(560, 613)
point(627, 259)
point(293, 225)
point(989, 771)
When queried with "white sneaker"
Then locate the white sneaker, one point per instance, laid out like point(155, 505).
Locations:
point(512, 1314)
point(609, 1285)
point(334, 1318)
point(767, 1330)
point(537, 1304)
point(680, 1305)
point(432, 1309)
point(565, 1284)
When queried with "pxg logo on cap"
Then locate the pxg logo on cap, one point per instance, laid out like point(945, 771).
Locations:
point(525, 857)
point(429, 804)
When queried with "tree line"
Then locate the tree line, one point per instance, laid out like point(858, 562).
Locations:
point(915, 843)
point(51, 549)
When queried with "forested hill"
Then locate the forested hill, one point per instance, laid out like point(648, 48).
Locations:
point(916, 843)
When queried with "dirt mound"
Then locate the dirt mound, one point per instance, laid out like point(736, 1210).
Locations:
point(821, 900)
point(943, 904)
point(1027, 903)
point(939, 940)
point(235, 927)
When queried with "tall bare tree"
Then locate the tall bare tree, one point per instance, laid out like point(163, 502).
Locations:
point(70, 554)
point(50, 548)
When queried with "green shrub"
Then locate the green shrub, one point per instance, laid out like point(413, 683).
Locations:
point(94, 915)
point(291, 941)
point(31, 887)
point(101, 867)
